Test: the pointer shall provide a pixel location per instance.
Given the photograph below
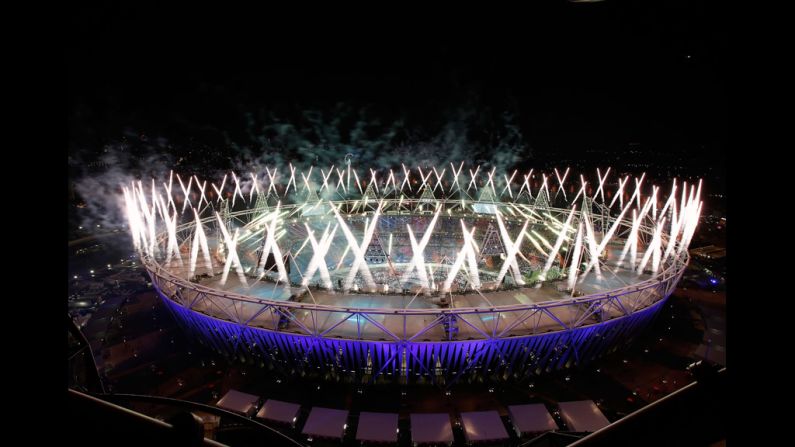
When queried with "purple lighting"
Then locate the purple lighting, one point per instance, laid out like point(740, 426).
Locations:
point(519, 356)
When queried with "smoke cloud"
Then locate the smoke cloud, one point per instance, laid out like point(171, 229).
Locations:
point(319, 137)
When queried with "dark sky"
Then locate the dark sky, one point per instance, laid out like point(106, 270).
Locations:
point(573, 76)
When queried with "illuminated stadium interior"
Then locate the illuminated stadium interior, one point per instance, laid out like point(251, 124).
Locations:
point(414, 268)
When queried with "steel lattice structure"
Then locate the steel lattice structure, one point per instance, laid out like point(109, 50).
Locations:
point(459, 313)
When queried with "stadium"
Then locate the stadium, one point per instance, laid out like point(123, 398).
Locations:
point(428, 274)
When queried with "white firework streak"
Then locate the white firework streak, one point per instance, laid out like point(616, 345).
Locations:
point(656, 253)
point(238, 191)
point(341, 181)
point(473, 179)
point(583, 183)
point(620, 193)
point(406, 178)
point(194, 251)
point(544, 186)
point(424, 179)
point(419, 263)
point(326, 177)
point(357, 181)
point(490, 181)
point(631, 245)
point(418, 258)
point(632, 241)
point(636, 194)
point(154, 197)
point(605, 240)
point(149, 216)
point(168, 188)
point(698, 192)
point(348, 178)
point(653, 249)
point(185, 192)
point(358, 262)
point(272, 179)
point(526, 184)
point(512, 247)
point(460, 258)
point(232, 258)
point(202, 197)
point(291, 181)
point(575, 259)
point(693, 216)
point(394, 181)
point(190, 184)
point(543, 240)
point(254, 187)
point(342, 258)
point(600, 190)
point(591, 240)
point(306, 179)
point(374, 180)
point(221, 189)
point(508, 183)
point(535, 243)
point(558, 244)
point(676, 228)
point(456, 173)
point(654, 202)
point(134, 219)
point(301, 248)
point(472, 261)
point(390, 178)
point(439, 178)
point(271, 246)
point(682, 203)
point(162, 206)
point(318, 260)
point(173, 246)
point(200, 240)
point(691, 222)
point(561, 181)
point(671, 200)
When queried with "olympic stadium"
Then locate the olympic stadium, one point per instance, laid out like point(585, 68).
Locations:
point(424, 274)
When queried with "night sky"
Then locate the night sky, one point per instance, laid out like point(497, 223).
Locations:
point(637, 85)
point(549, 86)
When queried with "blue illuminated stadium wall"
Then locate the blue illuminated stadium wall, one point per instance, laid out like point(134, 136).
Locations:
point(501, 357)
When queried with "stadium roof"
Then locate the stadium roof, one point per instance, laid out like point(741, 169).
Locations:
point(377, 427)
point(582, 415)
point(532, 418)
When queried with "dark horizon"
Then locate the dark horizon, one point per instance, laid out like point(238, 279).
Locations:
point(574, 78)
